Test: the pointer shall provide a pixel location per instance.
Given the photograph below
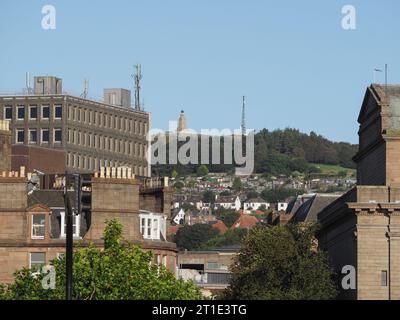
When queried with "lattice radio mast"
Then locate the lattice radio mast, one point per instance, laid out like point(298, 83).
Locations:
point(137, 76)
point(243, 125)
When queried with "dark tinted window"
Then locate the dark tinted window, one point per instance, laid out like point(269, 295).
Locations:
point(21, 113)
point(45, 135)
point(45, 112)
point(57, 135)
point(58, 112)
point(8, 113)
point(33, 114)
point(21, 136)
point(32, 136)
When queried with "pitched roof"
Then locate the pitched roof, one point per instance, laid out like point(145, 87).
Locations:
point(308, 211)
point(256, 200)
point(49, 198)
point(219, 225)
point(245, 221)
point(226, 199)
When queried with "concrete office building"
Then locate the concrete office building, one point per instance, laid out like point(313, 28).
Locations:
point(92, 134)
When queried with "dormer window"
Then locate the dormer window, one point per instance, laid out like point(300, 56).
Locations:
point(38, 226)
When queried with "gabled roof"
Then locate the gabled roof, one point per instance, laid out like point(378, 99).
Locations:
point(49, 198)
point(226, 199)
point(308, 211)
point(245, 221)
point(256, 200)
point(378, 93)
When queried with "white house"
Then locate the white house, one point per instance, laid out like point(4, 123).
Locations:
point(255, 204)
point(229, 202)
point(178, 216)
point(282, 206)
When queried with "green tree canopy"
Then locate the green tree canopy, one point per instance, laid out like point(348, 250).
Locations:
point(121, 271)
point(281, 263)
point(202, 171)
point(192, 237)
point(208, 196)
point(237, 184)
point(229, 217)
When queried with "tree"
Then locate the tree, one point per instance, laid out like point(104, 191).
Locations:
point(237, 184)
point(121, 271)
point(192, 237)
point(230, 237)
point(208, 196)
point(174, 174)
point(229, 217)
point(252, 194)
point(281, 263)
point(202, 171)
point(178, 185)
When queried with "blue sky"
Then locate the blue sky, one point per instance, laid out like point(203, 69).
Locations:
point(292, 59)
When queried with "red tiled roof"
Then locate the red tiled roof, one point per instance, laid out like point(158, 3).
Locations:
point(220, 226)
point(245, 221)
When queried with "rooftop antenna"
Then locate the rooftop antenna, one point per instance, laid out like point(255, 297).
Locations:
point(375, 71)
point(28, 83)
point(137, 76)
point(243, 125)
point(85, 89)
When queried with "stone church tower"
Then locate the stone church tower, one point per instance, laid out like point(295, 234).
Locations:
point(182, 125)
point(5, 146)
point(362, 228)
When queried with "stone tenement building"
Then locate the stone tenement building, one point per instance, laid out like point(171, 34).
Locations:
point(32, 224)
point(92, 134)
point(5, 146)
point(362, 228)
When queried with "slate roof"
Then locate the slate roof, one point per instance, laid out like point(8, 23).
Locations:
point(226, 199)
point(308, 211)
point(256, 200)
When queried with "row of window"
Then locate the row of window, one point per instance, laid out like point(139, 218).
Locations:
point(33, 112)
point(33, 136)
point(38, 224)
point(87, 139)
point(106, 120)
point(92, 163)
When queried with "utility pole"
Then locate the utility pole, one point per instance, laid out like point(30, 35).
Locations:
point(69, 241)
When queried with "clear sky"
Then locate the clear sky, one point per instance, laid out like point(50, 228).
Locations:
point(292, 59)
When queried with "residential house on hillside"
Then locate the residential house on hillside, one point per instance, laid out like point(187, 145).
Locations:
point(254, 204)
point(245, 222)
point(178, 216)
point(227, 202)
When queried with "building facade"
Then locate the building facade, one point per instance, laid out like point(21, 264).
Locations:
point(33, 225)
point(361, 230)
point(92, 134)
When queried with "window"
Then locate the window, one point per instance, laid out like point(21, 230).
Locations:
point(8, 113)
point(32, 136)
point(384, 278)
point(151, 226)
point(57, 135)
point(45, 136)
point(33, 112)
point(21, 113)
point(38, 226)
point(75, 225)
point(45, 112)
point(37, 260)
point(20, 136)
point(57, 112)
